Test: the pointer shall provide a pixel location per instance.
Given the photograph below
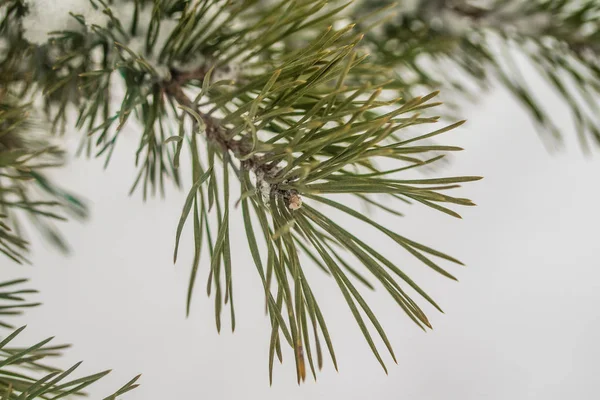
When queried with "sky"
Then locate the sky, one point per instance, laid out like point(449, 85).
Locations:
point(521, 323)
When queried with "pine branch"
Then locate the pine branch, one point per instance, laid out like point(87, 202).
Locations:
point(290, 105)
point(428, 44)
point(24, 189)
point(15, 301)
point(16, 382)
point(23, 373)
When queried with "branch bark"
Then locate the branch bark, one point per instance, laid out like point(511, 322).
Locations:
point(218, 134)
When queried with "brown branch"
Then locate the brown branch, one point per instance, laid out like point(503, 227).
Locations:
point(458, 7)
point(214, 131)
point(469, 11)
point(220, 135)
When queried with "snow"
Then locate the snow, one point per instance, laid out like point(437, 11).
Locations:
point(46, 16)
point(138, 42)
point(263, 188)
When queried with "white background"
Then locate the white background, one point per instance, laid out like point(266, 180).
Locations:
point(523, 323)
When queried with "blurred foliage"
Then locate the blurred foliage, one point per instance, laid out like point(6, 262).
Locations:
point(23, 372)
point(24, 189)
point(277, 96)
point(463, 46)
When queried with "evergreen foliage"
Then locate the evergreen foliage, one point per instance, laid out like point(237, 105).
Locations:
point(297, 102)
point(464, 46)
